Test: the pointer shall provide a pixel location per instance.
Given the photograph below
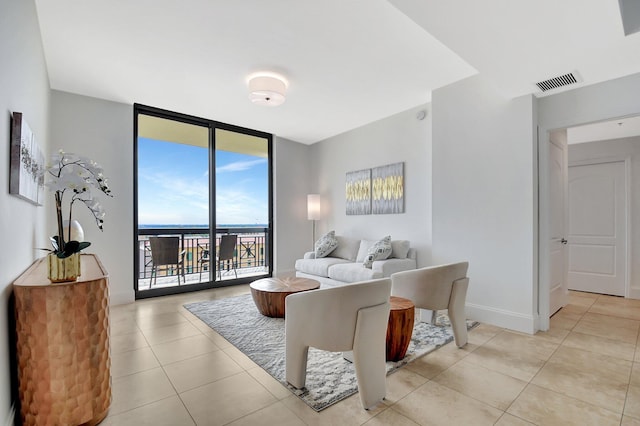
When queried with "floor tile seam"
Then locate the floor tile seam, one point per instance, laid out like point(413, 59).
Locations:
point(128, 350)
point(600, 407)
point(604, 337)
point(460, 393)
point(613, 316)
point(124, 334)
point(143, 329)
point(204, 384)
point(488, 367)
point(134, 373)
point(190, 356)
point(171, 340)
point(514, 415)
point(473, 397)
point(600, 353)
point(138, 372)
point(563, 365)
point(626, 397)
point(387, 408)
point(607, 408)
point(262, 408)
point(140, 406)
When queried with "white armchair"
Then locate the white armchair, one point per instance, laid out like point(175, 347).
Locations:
point(352, 317)
point(437, 287)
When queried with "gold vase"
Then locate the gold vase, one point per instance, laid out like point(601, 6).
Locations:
point(63, 270)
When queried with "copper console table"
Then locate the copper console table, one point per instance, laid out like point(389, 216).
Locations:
point(63, 346)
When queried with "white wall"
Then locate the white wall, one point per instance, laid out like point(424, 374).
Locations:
point(24, 87)
point(399, 138)
point(484, 198)
point(103, 131)
point(292, 184)
point(620, 149)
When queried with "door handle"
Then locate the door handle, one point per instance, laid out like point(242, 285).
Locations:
point(563, 241)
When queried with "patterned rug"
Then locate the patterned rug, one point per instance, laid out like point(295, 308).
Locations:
point(330, 378)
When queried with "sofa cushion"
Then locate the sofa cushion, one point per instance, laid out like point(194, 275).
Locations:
point(326, 244)
point(318, 267)
point(379, 251)
point(347, 248)
point(399, 249)
point(352, 272)
point(364, 248)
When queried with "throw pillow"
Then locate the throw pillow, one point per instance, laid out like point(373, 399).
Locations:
point(379, 251)
point(326, 244)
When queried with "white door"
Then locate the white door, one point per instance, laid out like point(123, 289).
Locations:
point(597, 228)
point(557, 272)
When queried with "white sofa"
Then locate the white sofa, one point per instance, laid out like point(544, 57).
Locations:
point(345, 264)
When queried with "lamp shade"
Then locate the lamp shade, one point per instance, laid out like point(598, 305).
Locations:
point(313, 206)
point(267, 89)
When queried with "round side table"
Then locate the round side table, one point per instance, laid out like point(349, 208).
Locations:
point(269, 293)
point(400, 327)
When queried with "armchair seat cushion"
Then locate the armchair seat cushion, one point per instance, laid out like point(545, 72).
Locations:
point(319, 267)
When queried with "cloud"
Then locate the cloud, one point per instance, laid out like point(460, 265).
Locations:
point(168, 198)
point(239, 166)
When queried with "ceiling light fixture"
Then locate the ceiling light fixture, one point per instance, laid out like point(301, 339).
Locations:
point(267, 88)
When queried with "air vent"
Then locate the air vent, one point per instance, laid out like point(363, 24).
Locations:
point(561, 81)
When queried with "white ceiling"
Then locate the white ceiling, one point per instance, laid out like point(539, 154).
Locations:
point(348, 62)
point(615, 129)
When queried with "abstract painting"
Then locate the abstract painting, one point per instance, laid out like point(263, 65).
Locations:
point(358, 192)
point(26, 179)
point(387, 189)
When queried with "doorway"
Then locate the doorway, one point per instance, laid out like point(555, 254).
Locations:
point(605, 144)
point(203, 203)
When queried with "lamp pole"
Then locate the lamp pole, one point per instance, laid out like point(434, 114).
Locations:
point(313, 212)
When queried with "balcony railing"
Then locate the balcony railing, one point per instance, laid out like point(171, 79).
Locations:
point(250, 256)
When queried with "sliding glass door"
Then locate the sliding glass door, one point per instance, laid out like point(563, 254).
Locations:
point(202, 203)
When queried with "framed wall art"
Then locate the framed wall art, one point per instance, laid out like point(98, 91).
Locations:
point(26, 179)
point(387, 189)
point(358, 192)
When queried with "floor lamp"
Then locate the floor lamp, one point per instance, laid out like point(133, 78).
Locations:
point(313, 212)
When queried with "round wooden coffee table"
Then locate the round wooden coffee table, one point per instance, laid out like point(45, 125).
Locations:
point(400, 327)
point(269, 293)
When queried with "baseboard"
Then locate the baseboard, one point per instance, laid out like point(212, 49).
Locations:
point(121, 298)
point(11, 417)
point(503, 318)
point(634, 293)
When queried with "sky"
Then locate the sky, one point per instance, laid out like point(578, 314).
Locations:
point(173, 186)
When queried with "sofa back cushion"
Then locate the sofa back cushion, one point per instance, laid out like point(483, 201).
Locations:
point(364, 249)
point(399, 249)
point(347, 248)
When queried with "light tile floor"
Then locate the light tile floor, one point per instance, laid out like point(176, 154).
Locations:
point(169, 368)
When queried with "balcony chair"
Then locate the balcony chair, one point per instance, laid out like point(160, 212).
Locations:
point(226, 252)
point(203, 259)
point(437, 287)
point(352, 317)
point(165, 252)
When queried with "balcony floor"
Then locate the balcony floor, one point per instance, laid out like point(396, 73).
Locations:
point(194, 278)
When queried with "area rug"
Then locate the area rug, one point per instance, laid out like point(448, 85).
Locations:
point(330, 378)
